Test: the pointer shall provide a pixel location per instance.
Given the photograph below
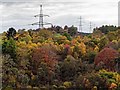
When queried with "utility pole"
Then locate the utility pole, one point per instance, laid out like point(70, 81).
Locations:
point(41, 22)
point(80, 24)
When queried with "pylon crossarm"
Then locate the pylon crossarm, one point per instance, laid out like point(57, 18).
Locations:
point(47, 23)
point(35, 23)
point(41, 15)
point(46, 15)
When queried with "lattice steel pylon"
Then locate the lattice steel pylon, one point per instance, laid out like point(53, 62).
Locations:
point(41, 22)
point(80, 24)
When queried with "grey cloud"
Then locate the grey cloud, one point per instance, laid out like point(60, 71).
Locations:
point(20, 13)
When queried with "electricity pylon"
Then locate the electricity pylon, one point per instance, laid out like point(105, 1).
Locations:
point(41, 22)
point(80, 24)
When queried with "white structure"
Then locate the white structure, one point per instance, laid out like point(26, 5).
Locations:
point(119, 13)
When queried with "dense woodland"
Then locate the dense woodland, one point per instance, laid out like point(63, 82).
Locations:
point(61, 59)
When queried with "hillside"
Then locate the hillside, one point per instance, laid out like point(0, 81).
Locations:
point(61, 58)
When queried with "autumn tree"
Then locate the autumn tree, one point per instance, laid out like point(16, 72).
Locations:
point(68, 68)
point(9, 71)
point(46, 55)
point(106, 56)
point(43, 63)
point(45, 33)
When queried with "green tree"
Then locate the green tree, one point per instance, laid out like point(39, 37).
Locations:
point(103, 41)
point(72, 30)
point(9, 47)
point(105, 29)
point(68, 68)
point(68, 36)
point(11, 33)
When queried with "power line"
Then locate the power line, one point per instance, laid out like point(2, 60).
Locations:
point(41, 22)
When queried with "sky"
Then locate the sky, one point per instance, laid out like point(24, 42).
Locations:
point(20, 13)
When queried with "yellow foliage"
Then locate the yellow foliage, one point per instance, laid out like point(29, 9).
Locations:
point(76, 55)
point(33, 77)
point(114, 41)
point(71, 49)
point(12, 79)
point(82, 48)
point(67, 42)
point(21, 44)
point(67, 84)
point(78, 38)
point(8, 88)
point(86, 39)
point(34, 45)
point(30, 42)
point(56, 43)
point(28, 87)
point(115, 76)
point(96, 49)
point(63, 37)
point(74, 42)
point(94, 88)
point(61, 46)
point(50, 39)
point(39, 44)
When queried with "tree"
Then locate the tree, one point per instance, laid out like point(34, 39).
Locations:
point(72, 30)
point(105, 29)
point(68, 68)
point(68, 36)
point(44, 54)
point(103, 41)
point(11, 33)
point(9, 47)
point(91, 56)
point(65, 27)
point(45, 33)
point(9, 71)
point(57, 29)
point(44, 75)
point(107, 56)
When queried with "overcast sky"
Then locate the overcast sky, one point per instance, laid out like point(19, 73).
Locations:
point(19, 13)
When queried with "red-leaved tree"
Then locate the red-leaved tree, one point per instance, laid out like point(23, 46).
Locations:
point(107, 57)
point(44, 55)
